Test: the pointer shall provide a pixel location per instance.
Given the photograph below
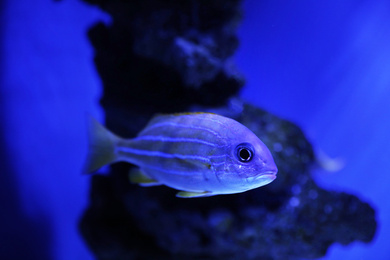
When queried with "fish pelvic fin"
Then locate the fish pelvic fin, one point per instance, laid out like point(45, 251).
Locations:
point(101, 146)
point(138, 176)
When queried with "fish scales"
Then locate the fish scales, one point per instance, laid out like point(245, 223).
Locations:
point(188, 149)
point(192, 127)
point(202, 154)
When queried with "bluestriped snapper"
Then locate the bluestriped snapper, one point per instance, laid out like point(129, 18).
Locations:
point(199, 154)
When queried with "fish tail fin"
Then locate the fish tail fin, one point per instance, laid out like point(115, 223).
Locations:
point(101, 146)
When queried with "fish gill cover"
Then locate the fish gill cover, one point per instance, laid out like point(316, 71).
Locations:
point(169, 56)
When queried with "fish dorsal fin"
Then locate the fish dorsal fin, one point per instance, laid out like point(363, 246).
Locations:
point(163, 117)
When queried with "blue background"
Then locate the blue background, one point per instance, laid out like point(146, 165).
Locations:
point(324, 65)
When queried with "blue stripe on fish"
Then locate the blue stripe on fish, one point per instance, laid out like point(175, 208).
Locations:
point(168, 155)
point(176, 139)
point(171, 124)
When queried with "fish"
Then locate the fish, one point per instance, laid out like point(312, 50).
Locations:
point(199, 154)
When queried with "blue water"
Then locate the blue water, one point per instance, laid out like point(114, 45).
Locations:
point(49, 82)
point(323, 65)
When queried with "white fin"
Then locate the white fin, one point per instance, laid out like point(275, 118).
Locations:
point(101, 150)
point(329, 164)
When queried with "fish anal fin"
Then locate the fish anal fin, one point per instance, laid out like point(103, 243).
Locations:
point(191, 194)
point(137, 176)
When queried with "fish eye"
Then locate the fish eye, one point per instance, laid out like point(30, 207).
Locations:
point(245, 152)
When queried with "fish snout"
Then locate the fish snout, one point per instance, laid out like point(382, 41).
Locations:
point(263, 178)
point(269, 174)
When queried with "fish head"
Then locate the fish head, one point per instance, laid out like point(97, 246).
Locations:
point(249, 165)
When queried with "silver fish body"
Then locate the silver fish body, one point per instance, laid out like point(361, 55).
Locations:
point(202, 154)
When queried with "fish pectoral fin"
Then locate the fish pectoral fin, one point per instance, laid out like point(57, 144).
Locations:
point(190, 194)
point(139, 177)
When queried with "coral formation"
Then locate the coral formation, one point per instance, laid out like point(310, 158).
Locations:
point(172, 56)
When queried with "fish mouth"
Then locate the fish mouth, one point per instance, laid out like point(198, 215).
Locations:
point(266, 176)
point(270, 174)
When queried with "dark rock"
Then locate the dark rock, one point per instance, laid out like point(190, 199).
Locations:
point(291, 218)
point(173, 56)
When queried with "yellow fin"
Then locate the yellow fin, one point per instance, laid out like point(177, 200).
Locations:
point(101, 150)
point(190, 194)
point(137, 176)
